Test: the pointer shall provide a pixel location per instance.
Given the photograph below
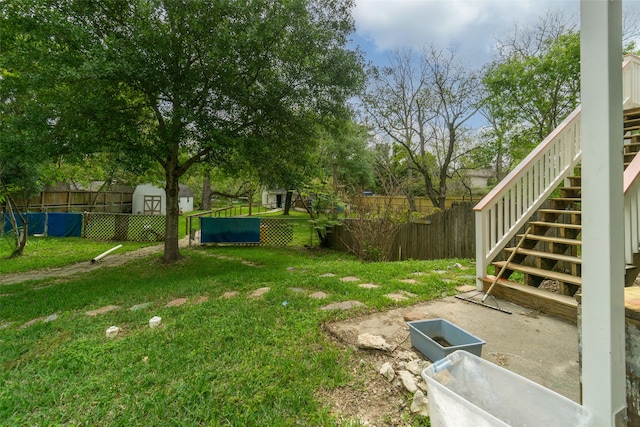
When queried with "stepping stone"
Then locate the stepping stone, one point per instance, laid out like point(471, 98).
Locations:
point(202, 299)
point(396, 297)
point(409, 281)
point(368, 286)
point(401, 296)
point(466, 277)
point(51, 318)
point(32, 322)
point(140, 306)
point(465, 288)
point(327, 275)
point(102, 310)
point(176, 302)
point(318, 295)
point(344, 305)
point(298, 290)
point(439, 271)
point(5, 325)
point(229, 295)
point(349, 279)
point(250, 264)
point(259, 292)
point(291, 269)
point(419, 273)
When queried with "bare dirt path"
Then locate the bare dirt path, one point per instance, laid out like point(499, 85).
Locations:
point(111, 260)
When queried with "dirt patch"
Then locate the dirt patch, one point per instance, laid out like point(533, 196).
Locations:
point(371, 399)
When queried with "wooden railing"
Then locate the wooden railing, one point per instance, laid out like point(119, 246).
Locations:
point(506, 209)
point(630, 82)
point(631, 209)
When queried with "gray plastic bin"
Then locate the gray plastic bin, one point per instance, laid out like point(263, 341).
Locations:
point(465, 390)
point(425, 335)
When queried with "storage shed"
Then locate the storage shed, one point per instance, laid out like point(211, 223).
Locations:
point(273, 198)
point(149, 199)
point(185, 200)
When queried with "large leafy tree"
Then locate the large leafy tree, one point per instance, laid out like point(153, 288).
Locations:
point(195, 80)
point(532, 85)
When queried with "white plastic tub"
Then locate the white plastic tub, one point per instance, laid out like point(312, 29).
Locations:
point(466, 390)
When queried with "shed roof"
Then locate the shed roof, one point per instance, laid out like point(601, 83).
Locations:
point(185, 191)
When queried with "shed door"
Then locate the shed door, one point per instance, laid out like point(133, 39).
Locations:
point(152, 205)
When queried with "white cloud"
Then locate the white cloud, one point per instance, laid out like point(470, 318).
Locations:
point(467, 26)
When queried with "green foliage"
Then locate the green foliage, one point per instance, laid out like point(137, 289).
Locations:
point(529, 94)
point(240, 84)
point(323, 208)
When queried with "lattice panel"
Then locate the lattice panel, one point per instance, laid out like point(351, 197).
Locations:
point(276, 232)
point(123, 227)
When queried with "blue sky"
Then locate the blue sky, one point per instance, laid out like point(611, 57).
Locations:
point(469, 27)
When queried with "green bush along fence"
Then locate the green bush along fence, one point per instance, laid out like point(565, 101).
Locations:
point(445, 234)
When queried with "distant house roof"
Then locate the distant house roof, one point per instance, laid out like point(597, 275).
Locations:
point(185, 191)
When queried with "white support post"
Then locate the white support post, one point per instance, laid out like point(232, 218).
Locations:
point(603, 362)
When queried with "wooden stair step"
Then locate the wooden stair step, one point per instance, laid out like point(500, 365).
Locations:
point(568, 199)
point(550, 239)
point(562, 306)
point(561, 211)
point(556, 225)
point(539, 272)
point(547, 255)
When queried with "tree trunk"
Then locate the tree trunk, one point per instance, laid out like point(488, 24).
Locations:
point(171, 249)
point(20, 238)
point(206, 191)
point(287, 202)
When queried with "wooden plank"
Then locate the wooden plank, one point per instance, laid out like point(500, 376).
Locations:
point(561, 211)
point(556, 225)
point(562, 306)
point(540, 254)
point(555, 275)
point(550, 239)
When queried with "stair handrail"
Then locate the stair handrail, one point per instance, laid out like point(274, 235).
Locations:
point(506, 209)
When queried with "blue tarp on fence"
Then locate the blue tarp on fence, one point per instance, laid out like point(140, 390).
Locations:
point(36, 222)
point(230, 230)
point(64, 224)
point(55, 224)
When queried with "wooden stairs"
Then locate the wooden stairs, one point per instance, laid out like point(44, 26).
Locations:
point(545, 272)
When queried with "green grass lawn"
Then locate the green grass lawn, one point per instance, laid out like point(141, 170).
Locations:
point(236, 361)
point(47, 252)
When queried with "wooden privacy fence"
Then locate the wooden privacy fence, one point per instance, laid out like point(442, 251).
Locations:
point(423, 205)
point(123, 227)
point(448, 234)
point(80, 201)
